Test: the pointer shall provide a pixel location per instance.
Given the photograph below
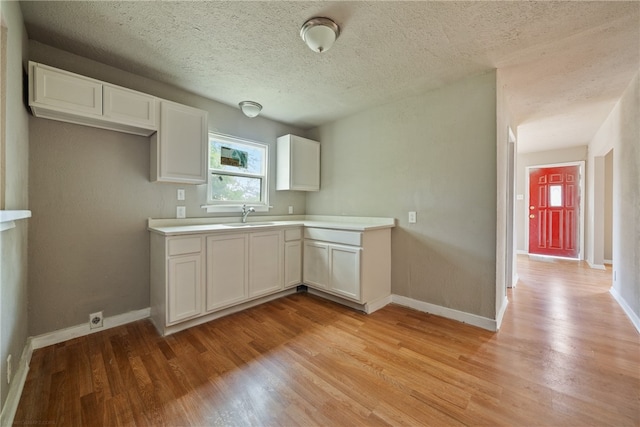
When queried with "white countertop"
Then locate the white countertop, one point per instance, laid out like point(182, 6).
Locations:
point(172, 227)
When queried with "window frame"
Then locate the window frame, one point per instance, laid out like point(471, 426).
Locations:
point(213, 206)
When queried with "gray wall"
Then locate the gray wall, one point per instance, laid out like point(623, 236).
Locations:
point(13, 243)
point(573, 154)
point(621, 132)
point(90, 195)
point(435, 154)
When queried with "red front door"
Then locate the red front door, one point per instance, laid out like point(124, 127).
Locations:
point(554, 211)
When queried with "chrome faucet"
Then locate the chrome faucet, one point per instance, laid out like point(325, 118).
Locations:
point(246, 211)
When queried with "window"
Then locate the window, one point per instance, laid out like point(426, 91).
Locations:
point(237, 174)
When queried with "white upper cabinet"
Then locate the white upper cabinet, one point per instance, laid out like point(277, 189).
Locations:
point(179, 148)
point(128, 106)
point(60, 95)
point(298, 164)
point(65, 91)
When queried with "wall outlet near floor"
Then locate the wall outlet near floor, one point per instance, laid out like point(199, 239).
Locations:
point(180, 193)
point(290, 209)
point(181, 212)
point(9, 369)
point(95, 320)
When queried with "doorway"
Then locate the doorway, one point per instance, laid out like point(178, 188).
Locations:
point(555, 210)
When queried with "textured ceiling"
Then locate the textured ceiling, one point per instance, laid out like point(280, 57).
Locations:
point(565, 63)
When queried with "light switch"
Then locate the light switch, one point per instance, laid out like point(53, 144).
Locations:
point(181, 212)
point(180, 193)
point(412, 217)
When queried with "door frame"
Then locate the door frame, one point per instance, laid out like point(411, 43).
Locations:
point(581, 164)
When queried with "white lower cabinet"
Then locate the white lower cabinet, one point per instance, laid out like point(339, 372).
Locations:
point(198, 277)
point(316, 264)
point(352, 265)
point(184, 286)
point(265, 263)
point(227, 275)
point(344, 271)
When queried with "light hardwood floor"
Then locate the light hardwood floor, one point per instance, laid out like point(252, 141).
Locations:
point(566, 355)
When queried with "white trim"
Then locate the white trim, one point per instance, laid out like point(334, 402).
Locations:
point(608, 262)
point(17, 385)
point(596, 266)
point(583, 213)
point(449, 313)
point(376, 305)
point(514, 283)
point(522, 252)
point(66, 334)
point(8, 218)
point(627, 310)
point(503, 310)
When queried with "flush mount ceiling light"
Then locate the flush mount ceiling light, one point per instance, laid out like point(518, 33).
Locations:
point(250, 108)
point(319, 34)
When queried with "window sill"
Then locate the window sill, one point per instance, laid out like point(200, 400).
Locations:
point(8, 218)
point(233, 208)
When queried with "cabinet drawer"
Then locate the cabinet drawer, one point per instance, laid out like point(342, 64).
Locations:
point(353, 238)
point(292, 234)
point(184, 245)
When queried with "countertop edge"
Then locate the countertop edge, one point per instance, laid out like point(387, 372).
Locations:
point(169, 227)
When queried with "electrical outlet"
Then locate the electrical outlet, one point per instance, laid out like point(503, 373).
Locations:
point(9, 369)
point(181, 212)
point(412, 217)
point(290, 209)
point(180, 193)
point(95, 320)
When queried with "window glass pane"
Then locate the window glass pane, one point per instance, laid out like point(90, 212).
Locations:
point(555, 195)
point(232, 157)
point(234, 188)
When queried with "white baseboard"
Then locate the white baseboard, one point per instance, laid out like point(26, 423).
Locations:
point(522, 252)
point(376, 305)
point(503, 310)
point(596, 266)
point(608, 262)
point(17, 385)
point(627, 310)
point(66, 334)
point(449, 313)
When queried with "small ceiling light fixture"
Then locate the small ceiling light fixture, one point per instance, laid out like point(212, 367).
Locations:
point(319, 34)
point(250, 108)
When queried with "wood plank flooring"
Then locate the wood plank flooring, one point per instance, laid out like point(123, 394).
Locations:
point(566, 355)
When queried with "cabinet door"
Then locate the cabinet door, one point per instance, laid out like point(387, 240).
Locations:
point(265, 263)
point(292, 263)
point(345, 271)
point(184, 287)
point(180, 146)
point(67, 91)
point(130, 107)
point(226, 270)
point(316, 264)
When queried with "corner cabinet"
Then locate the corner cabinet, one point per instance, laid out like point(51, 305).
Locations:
point(298, 163)
point(179, 148)
point(178, 132)
point(60, 95)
